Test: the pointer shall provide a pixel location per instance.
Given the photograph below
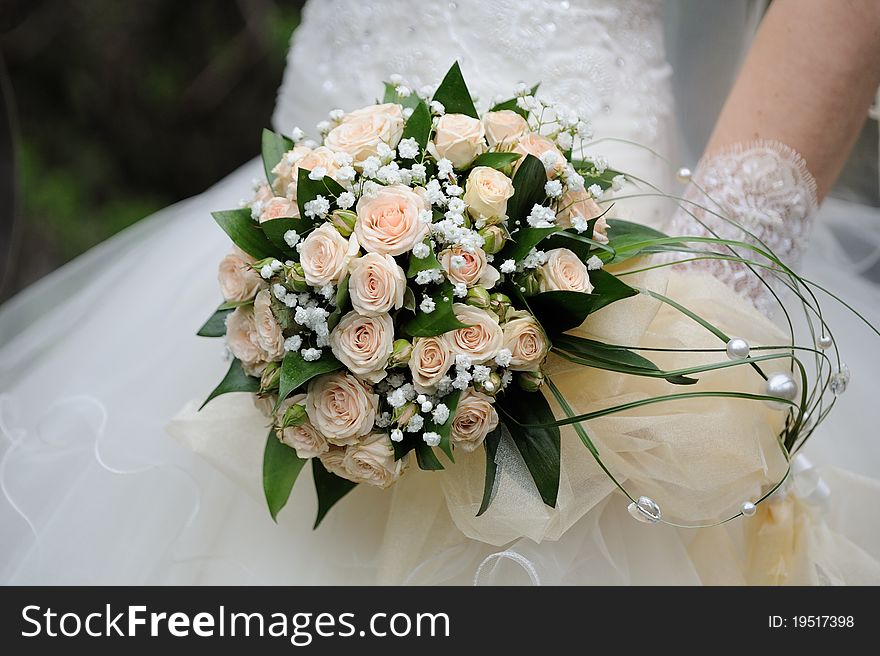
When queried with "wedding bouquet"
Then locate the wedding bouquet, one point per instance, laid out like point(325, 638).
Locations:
point(398, 287)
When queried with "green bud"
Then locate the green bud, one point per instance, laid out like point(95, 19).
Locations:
point(500, 304)
point(403, 414)
point(530, 381)
point(528, 283)
point(401, 353)
point(478, 297)
point(295, 415)
point(296, 278)
point(490, 386)
point(493, 238)
point(270, 378)
point(343, 221)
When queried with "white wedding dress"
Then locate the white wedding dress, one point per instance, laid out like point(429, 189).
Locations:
point(96, 359)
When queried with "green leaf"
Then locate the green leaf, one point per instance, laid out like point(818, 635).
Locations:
point(441, 320)
point(276, 229)
point(308, 190)
point(491, 443)
point(409, 300)
point(246, 233)
point(591, 176)
point(495, 160)
point(426, 457)
point(443, 430)
point(612, 358)
point(528, 191)
point(273, 147)
point(215, 326)
point(296, 372)
point(418, 126)
point(235, 380)
point(512, 106)
point(417, 264)
point(281, 466)
point(523, 241)
point(628, 239)
point(341, 303)
point(563, 310)
point(391, 96)
point(231, 305)
point(453, 94)
point(539, 446)
point(329, 487)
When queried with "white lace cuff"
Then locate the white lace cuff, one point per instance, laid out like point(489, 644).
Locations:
point(768, 196)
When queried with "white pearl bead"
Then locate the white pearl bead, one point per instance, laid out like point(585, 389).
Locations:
point(683, 174)
point(737, 349)
point(824, 342)
point(749, 509)
point(782, 386)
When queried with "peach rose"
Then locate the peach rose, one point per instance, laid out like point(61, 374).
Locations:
point(333, 459)
point(475, 270)
point(364, 344)
point(430, 360)
point(325, 255)
point(279, 208)
point(504, 127)
point(388, 222)
point(360, 132)
point(372, 461)
point(526, 341)
point(577, 203)
point(286, 171)
point(376, 284)
point(238, 280)
point(269, 335)
point(564, 271)
point(475, 417)
point(459, 138)
point(537, 145)
point(341, 407)
point(481, 339)
point(241, 338)
point(307, 442)
point(487, 192)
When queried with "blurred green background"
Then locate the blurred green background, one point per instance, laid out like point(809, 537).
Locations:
point(126, 107)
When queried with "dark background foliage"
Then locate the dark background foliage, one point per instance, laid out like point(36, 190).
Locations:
point(126, 107)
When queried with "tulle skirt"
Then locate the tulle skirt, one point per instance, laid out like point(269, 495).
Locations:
point(98, 359)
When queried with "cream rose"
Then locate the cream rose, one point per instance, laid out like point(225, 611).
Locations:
point(459, 138)
point(372, 461)
point(577, 203)
point(526, 341)
point(475, 417)
point(341, 407)
point(238, 280)
point(360, 132)
point(504, 127)
point(286, 171)
point(564, 271)
point(307, 441)
point(481, 339)
point(537, 145)
point(333, 460)
point(475, 269)
point(241, 338)
point(388, 222)
point(325, 255)
point(487, 192)
point(279, 208)
point(430, 360)
point(364, 344)
point(269, 335)
point(376, 284)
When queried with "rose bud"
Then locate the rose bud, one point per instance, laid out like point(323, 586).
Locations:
point(401, 353)
point(343, 221)
point(404, 413)
point(491, 385)
point(295, 415)
point(500, 304)
point(478, 297)
point(493, 238)
point(296, 278)
point(528, 283)
point(270, 378)
point(530, 381)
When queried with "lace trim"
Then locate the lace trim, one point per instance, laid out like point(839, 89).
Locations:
point(769, 196)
